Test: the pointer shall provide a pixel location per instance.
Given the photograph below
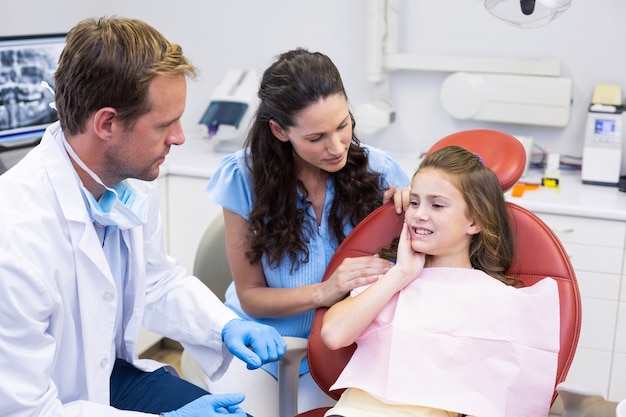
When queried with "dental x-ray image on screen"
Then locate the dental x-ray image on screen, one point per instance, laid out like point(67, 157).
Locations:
point(27, 65)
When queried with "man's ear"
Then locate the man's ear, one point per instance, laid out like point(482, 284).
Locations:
point(104, 121)
point(278, 131)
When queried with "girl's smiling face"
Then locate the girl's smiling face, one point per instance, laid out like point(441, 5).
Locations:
point(438, 220)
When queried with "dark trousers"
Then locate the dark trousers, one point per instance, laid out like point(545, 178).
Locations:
point(150, 392)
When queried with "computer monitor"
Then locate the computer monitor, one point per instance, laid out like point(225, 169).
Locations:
point(27, 65)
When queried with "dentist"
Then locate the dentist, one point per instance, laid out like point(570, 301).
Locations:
point(82, 258)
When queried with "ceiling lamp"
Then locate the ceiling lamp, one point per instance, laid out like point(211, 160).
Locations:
point(527, 13)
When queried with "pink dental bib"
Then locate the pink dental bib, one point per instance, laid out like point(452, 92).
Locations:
point(459, 340)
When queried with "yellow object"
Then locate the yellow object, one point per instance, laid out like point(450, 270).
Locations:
point(610, 94)
point(550, 182)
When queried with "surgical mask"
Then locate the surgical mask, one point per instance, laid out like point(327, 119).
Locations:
point(121, 206)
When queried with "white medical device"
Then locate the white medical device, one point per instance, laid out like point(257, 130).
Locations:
point(604, 137)
point(527, 13)
point(231, 107)
point(533, 100)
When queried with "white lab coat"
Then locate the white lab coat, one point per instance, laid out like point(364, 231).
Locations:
point(58, 298)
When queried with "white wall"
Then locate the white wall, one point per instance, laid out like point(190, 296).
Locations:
point(219, 35)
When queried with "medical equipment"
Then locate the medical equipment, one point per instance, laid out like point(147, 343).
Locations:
point(28, 61)
point(384, 55)
point(531, 100)
point(552, 173)
point(372, 116)
point(604, 137)
point(540, 95)
point(230, 110)
point(527, 13)
point(27, 65)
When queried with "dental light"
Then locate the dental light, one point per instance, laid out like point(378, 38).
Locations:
point(527, 13)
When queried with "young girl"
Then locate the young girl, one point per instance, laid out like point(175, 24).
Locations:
point(299, 186)
point(445, 332)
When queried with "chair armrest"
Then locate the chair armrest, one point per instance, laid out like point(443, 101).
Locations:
point(289, 375)
point(603, 409)
point(577, 399)
point(191, 371)
point(621, 409)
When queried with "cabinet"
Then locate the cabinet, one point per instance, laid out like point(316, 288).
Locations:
point(591, 222)
point(596, 249)
point(189, 213)
point(617, 388)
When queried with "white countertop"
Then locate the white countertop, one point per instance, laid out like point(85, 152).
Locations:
point(572, 198)
point(196, 158)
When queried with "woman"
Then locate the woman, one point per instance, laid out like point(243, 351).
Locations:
point(299, 186)
point(445, 333)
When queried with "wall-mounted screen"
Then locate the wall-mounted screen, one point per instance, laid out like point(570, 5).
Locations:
point(27, 65)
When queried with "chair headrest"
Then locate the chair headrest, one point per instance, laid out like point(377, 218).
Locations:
point(501, 152)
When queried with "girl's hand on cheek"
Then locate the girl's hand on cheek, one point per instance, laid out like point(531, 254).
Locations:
point(409, 262)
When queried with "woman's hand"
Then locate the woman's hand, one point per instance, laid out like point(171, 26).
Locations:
point(352, 273)
point(401, 198)
point(347, 319)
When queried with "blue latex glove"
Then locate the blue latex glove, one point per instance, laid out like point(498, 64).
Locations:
point(213, 405)
point(254, 343)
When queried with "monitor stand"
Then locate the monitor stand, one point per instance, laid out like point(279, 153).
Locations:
point(10, 155)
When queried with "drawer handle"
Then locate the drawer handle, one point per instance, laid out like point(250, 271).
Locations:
point(565, 230)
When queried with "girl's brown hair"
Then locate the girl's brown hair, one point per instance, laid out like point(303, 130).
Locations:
point(492, 249)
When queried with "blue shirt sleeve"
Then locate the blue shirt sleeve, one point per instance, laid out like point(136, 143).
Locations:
point(230, 186)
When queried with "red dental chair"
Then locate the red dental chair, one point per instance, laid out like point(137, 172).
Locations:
point(539, 254)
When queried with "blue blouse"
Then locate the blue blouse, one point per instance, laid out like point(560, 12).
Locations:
point(231, 187)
